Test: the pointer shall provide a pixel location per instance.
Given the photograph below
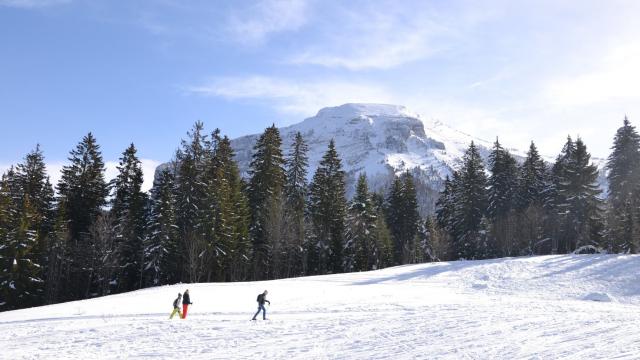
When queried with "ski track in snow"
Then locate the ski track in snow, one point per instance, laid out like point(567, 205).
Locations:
point(518, 308)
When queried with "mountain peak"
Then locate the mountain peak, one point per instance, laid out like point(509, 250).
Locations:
point(354, 110)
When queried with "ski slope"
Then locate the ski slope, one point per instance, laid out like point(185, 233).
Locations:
point(547, 307)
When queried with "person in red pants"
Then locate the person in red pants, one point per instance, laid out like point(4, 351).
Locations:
point(186, 301)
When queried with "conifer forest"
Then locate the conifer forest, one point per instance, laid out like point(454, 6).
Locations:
point(204, 221)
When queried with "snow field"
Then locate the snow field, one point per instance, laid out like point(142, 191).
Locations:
point(545, 307)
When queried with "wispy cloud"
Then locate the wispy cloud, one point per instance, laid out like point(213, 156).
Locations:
point(614, 79)
point(32, 4)
point(383, 35)
point(267, 17)
point(296, 97)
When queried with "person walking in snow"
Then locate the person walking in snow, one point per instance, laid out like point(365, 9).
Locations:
point(186, 301)
point(262, 298)
point(176, 307)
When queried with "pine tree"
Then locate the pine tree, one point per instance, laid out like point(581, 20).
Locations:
point(128, 212)
point(361, 252)
point(533, 180)
point(403, 217)
point(58, 260)
point(624, 187)
point(382, 236)
point(107, 266)
point(531, 198)
point(229, 211)
point(470, 207)
point(394, 214)
point(502, 195)
point(445, 205)
point(190, 209)
point(162, 261)
point(16, 243)
point(576, 202)
point(26, 222)
point(296, 189)
point(83, 191)
point(266, 201)
point(327, 208)
point(411, 220)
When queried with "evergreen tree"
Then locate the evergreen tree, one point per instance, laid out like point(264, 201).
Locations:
point(83, 191)
point(531, 198)
point(190, 209)
point(361, 252)
point(128, 212)
point(394, 214)
point(471, 205)
point(162, 263)
point(624, 187)
point(533, 180)
point(327, 208)
point(26, 224)
point(382, 236)
point(403, 217)
point(501, 195)
point(502, 182)
point(445, 205)
point(576, 203)
point(296, 189)
point(266, 201)
point(230, 213)
point(59, 262)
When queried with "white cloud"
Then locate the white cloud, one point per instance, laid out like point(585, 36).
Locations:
point(615, 78)
point(32, 4)
point(297, 97)
point(383, 35)
point(267, 17)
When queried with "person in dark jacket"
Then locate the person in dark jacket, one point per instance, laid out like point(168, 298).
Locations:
point(262, 298)
point(186, 301)
point(176, 307)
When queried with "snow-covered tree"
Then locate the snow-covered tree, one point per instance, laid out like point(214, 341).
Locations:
point(82, 190)
point(266, 188)
point(162, 247)
point(624, 190)
point(128, 212)
point(577, 203)
point(296, 189)
point(327, 208)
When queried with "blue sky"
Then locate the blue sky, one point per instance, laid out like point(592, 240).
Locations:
point(144, 71)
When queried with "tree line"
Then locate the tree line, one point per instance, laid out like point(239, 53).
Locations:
point(203, 221)
point(535, 208)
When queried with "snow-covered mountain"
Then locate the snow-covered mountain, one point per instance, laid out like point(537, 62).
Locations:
point(379, 140)
point(382, 140)
point(543, 307)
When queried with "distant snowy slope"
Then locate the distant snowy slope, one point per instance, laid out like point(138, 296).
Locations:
point(546, 307)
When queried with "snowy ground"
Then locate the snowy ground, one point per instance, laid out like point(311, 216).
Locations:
point(519, 308)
